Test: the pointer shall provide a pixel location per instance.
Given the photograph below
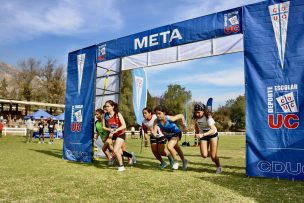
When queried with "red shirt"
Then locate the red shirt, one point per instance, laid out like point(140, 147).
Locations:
point(1, 127)
point(114, 123)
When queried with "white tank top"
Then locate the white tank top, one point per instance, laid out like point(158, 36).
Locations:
point(205, 124)
point(148, 124)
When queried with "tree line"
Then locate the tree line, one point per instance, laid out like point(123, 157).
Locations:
point(35, 81)
point(229, 117)
point(46, 83)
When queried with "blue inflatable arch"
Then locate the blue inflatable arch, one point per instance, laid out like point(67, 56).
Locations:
point(270, 34)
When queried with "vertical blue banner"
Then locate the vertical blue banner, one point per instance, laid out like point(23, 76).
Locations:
point(209, 104)
point(139, 93)
point(274, 72)
point(79, 122)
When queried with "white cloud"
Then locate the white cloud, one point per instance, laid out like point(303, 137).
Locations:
point(197, 8)
point(233, 77)
point(29, 19)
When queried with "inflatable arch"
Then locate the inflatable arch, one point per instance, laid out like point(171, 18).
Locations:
point(270, 34)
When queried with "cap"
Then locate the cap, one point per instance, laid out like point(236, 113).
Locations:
point(199, 107)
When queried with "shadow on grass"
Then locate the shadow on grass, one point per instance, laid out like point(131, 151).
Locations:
point(259, 189)
point(55, 153)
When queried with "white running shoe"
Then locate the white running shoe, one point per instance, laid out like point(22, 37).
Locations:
point(111, 162)
point(133, 158)
point(50, 142)
point(39, 142)
point(185, 164)
point(175, 166)
point(121, 169)
point(218, 170)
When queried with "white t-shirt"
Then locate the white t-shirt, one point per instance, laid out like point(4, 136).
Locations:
point(30, 124)
point(205, 124)
point(148, 125)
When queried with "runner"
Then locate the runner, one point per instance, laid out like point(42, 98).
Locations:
point(114, 123)
point(207, 133)
point(41, 130)
point(107, 147)
point(52, 127)
point(172, 133)
point(157, 142)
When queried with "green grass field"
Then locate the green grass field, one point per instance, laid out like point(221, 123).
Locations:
point(36, 173)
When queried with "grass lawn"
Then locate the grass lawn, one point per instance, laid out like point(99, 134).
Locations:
point(36, 173)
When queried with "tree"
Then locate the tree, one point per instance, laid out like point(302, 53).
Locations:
point(238, 115)
point(176, 98)
point(222, 118)
point(3, 89)
point(125, 101)
point(53, 82)
point(29, 69)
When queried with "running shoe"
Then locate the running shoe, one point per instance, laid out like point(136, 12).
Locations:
point(171, 161)
point(218, 170)
point(121, 169)
point(111, 162)
point(133, 158)
point(130, 161)
point(163, 165)
point(175, 166)
point(185, 164)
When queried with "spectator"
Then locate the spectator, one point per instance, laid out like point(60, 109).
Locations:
point(1, 128)
point(30, 123)
point(132, 132)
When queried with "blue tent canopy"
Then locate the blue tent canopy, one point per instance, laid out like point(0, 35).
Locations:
point(38, 114)
point(59, 117)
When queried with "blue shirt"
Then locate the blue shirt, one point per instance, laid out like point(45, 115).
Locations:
point(170, 128)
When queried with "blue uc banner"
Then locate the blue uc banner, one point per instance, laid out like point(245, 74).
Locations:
point(202, 28)
point(79, 122)
point(274, 71)
point(139, 93)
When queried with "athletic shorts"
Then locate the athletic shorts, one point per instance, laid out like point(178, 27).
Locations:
point(208, 138)
point(169, 137)
point(158, 140)
point(123, 136)
point(51, 130)
point(40, 132)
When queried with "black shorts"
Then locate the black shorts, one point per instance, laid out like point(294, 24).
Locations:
point(123, 136)
point(208, 138)
point(169, 137)
point(158, 140)
point(51, 130)
point(40, 132)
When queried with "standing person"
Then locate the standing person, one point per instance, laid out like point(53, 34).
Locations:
point(41, 130)
point(172, 133)
point(52, 127)
point(114, 123)
point(207, 133)
point(157, 141)
point(1, 128)
point(132, 132)
point(30, 123)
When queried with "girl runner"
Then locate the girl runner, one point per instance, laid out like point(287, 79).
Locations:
point(207, 133)
point(172, 133)
point(107, 144)
point(114, 123)
point(157, 142)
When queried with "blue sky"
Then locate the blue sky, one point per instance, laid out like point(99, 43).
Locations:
point(53, 28)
